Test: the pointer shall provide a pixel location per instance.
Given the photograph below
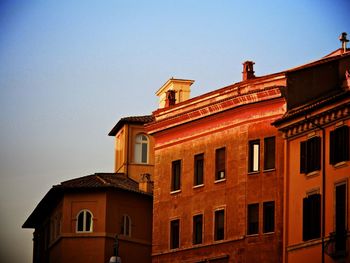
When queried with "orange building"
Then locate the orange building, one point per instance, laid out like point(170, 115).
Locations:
point(78, 220)
point(317, 172)
point(218, 179)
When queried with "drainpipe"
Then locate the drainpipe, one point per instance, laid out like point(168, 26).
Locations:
point(323, 227)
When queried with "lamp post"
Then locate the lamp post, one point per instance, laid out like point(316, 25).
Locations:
point(115, 258)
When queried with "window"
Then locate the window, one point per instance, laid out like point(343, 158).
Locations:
point(269, 153)
point(220, 157)
point(339, 145)
point(175, 234)
point(311, 217)
point(254, 156)
point(269, 217)
point(198, 169)
point(176, 175)
point(310, 155)
point(84, 221)
point(219, 233)
point(253, 219)
point(141, 149)
point(126, 226)
point(340, 218)
point(197, 229)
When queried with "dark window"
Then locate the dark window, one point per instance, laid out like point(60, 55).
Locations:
point(220, 164)
point(254, 156)
point(253, 219)
point(175, 234)
point(269, 153)
point(311, 217)
point(269, 217)
point(197, 229)
point(339, 145)
point(340, 218)
point(176, 175)
point(219, 225)
point(310, 155)
point(198, 169)
point(84, 223)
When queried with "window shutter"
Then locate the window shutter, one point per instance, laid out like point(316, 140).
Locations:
point(303, 157)
point(316, 215)
point(306, 219)
point(331, 147)
point(317, 152)
point(346, 143)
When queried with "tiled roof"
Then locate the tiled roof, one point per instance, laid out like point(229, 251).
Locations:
point(97, 181)
point(131, 120)
point(101, 180)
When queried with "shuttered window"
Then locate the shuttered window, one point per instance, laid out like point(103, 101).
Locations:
point(268, 217)
point(197, 229)
point(339, 145)
point(253, 219)
point(219, 225)
point(310, 155)
point(312, 217)
point(254, 156)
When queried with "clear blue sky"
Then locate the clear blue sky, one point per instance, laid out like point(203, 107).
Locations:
point(70, 69)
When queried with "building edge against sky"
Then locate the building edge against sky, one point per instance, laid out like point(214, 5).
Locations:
point(219, 168)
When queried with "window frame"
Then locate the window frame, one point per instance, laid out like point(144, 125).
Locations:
point(84, 218)
point(176, 175)
point(141, 140)
point(339, 145)
point(252, 159)
point(310, 155)
point(126, 225)
point(268, 150)
point(267, 217)
point(198, 160)
point(220, 172)
point(197, 235)
point(250, 229)
point(311, 218)
point(219, 233)
point(174, 243)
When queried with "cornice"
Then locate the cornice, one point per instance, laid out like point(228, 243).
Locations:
point(323, 118)
point(226, 103)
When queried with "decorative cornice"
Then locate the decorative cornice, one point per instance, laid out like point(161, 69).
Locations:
point(233, 100)
point(323, 119)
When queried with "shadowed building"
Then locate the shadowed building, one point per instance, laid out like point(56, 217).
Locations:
point(317, 172)
point(78, 220)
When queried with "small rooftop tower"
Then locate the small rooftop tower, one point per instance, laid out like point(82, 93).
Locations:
point(173, 92)
point(343, 41)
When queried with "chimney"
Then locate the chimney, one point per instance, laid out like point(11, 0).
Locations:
point(343, 41)
point(174, 91)
point(145, 184)
point(248, 70)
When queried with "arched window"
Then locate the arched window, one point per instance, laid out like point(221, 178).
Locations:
point(126, 226)
point(141, 149)
point(84, 221)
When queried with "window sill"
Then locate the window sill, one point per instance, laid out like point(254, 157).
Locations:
point(269, 170)
point(340, 164)
point(269, 233)
point(253, 235)
point(198, 186)
point(219, 181)
point(219, 241)
point(175, 192)
point(312, 174)
point(254, 173)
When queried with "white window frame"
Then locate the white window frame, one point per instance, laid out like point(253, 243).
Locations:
point(85, 211)
point(140, 140)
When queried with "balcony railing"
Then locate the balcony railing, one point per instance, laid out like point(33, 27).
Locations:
point(336, 246)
